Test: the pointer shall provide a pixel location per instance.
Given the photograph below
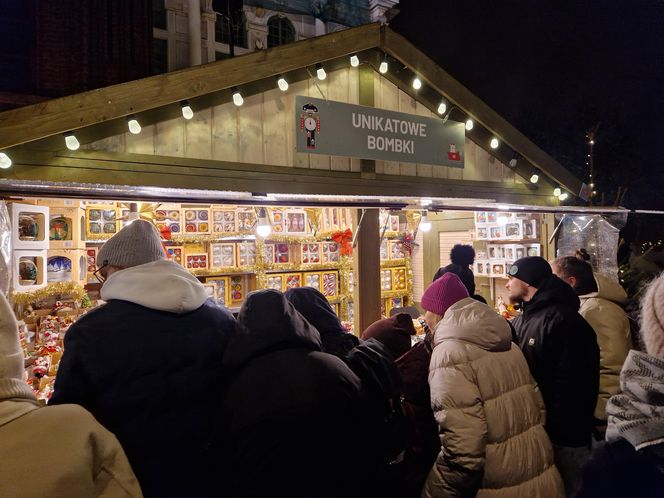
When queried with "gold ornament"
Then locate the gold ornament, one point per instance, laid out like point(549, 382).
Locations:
point(71, 289)
point(413, 220)
point(313, 217)
point(145, 210)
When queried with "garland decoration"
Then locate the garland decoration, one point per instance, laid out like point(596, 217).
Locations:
point(72, 289)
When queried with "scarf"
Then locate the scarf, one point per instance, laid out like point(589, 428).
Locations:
point(637, 412)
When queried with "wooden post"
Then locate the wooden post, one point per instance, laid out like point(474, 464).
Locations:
point(366, 267)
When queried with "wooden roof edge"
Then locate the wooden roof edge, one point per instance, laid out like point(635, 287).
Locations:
point(428, 70)
point(44, 119)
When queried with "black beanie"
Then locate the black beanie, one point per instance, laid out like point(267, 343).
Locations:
point(532, 269)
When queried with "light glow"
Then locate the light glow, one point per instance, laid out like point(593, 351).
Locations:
point(320, 72)
point(354, 60)
point(469, 125)
point(5, 161)
point(534, 178)
point(417, 83)
point(563, 196)
point(72, 142)
point(425, 224)
point(134, 126)
point(442, 107)
point(263, 228)
point(557, 191)
point(383, 68)
point(494, 143)
point(187, 111)
point(282, 84)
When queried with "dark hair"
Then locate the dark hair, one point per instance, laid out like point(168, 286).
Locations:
point(462, 255)
point(463, 272)
point(580, 269)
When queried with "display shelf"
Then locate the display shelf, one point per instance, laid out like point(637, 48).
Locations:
point(29, 226)
point(63, 265)
point(29, 270)
point(393, 262)
point(66, 228)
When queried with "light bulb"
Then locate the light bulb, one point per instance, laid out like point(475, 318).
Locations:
point(534, 178)
point(469, 124)
point(5, 161)
point(417, 83)
point(282, 84)
point(187, 111)
point(237, 98)
point(71, 141)
point(557, 191)
point(134, 126)
point(442, 107)
point(425, 224)
point(320, 72)
point(382, 69)
point(354, 60)
point(263, 228)
point(494, 143)
point(563, 196)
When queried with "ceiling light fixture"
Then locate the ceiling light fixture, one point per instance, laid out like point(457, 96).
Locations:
point(71, 141)
point(354, 60)
point(237, 97)
point(282, 83)
point(320, 72)
point(187, 111)
point(133, 125)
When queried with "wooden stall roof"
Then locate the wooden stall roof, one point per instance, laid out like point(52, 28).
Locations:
point(94, 111)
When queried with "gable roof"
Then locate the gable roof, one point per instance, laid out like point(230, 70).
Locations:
point(98, 113)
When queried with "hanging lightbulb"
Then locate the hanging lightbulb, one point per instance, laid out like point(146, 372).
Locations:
point(237, 97)
point(442, 107)
point(417, 83)
point(534, 178)
point(383, 68)
point(133, 124)
point(187, 111)
point(557, 191)
point(469, 124)
point(282, 83)
point(354, 60)
point(563, 196)
point(425, 224)
point(263, 228)
point(5, 161)
point(71, 141)
point(320, 72)
point(494, 143)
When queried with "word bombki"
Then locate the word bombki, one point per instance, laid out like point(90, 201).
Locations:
point(389, 125)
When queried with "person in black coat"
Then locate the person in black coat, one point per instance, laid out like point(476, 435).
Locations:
point(145, 365)
point(630, 463)
point(315, 307)
point(291, 411)
point(562, 353)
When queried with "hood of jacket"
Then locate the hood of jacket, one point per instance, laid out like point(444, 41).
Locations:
point(553, 291)
point(636, 414)
point(160, 285)
point(470, 321)
point(607, 289)
point(269, 322)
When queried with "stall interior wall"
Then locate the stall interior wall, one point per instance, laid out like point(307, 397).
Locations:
point(262, 131)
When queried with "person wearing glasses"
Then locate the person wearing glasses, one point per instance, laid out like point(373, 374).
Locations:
point(146, 364)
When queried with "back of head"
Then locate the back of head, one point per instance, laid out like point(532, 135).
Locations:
point(463, 272)
point(315, 307)
point(136, 244)
point(462, 255)
point(532, 270)
point(11, 355)
point(443, 293)
point(394, 332)
point(579, 268)
point(652, 318)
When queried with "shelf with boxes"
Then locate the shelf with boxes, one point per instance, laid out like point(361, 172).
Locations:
point(502, 238)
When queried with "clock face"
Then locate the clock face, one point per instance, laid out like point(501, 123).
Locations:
point(310, 124)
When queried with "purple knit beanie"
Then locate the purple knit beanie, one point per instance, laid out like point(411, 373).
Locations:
point(443, 293)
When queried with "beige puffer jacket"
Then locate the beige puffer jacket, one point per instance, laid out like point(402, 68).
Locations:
point(489, 410)
point(603, 311)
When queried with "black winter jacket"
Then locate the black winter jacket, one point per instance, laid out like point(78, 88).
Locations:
point(617, 470)
point(291, 411)
point(149, 377)
point(563, 356)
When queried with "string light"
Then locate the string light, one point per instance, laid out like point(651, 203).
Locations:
point(425, 224)
point(383, 68)
point(71, 141)
point(320, 72)
point(237, 97)
point(282, 83)
point(5, 161)
point(534, 178)
point(354, 60)
point(442, 108)
point(494, 143)
point(563, 196)
point(469, 124)
point(557, 191)
point(417, 83)
point(187, 111)
point(133, 124)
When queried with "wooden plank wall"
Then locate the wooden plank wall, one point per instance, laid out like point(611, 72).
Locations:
point(263, 131)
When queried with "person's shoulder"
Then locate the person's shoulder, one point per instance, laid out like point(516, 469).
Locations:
point(69, 415)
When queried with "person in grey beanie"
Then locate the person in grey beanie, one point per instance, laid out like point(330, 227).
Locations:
point(144, 362)
point(562, 353)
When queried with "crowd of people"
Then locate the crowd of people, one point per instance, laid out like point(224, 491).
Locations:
point(163, 393)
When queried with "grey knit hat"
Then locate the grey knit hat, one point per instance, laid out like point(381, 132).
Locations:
point(136, 244)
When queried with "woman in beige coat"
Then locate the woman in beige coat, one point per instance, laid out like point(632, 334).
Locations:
point(489, 410)
point(52, 451)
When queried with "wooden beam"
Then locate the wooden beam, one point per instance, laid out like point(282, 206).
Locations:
point(109, 168)
point(366, 266)
point(401, 49)
point(26, 124)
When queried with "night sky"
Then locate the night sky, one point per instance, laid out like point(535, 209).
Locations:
point(556, 69)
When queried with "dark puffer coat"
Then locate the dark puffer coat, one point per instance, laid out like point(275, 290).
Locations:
point(315, 307)
point(291, 410)
point(562, 353)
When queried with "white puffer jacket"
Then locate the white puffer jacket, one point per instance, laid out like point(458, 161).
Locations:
point(489, 410)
